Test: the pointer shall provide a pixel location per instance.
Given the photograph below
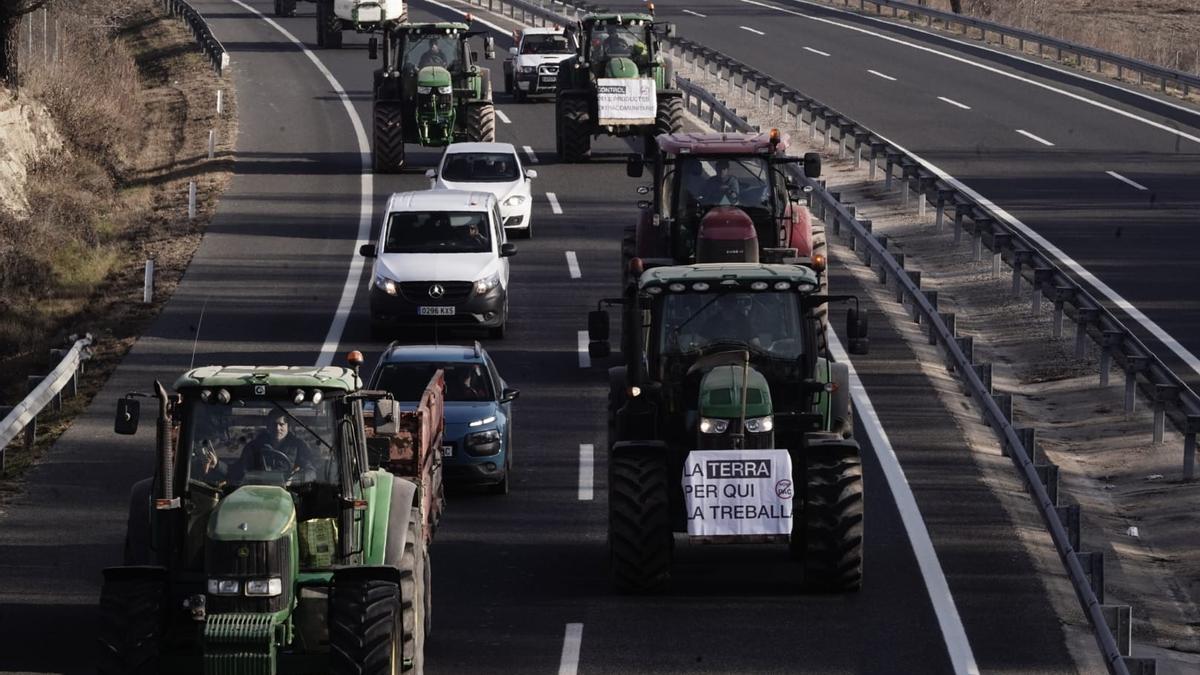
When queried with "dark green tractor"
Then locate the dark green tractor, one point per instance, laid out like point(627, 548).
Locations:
point(729, 422)
point(285, 529)
point(430, 91)
point(619, 84)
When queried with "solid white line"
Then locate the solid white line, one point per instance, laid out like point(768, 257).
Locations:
point(688, 11)
point(366, 197)
point(586, 471)
point(954, 103)
point(573, 265)
point(816, 51)
point(997, 71)
point(1039, 139)
point(569, 664)
point(530, 154)
point(474, 16)
point(502, 116)
point(876, 73)
point(1127, 181)
point(553, 199)
point(585, 359)
point(756, 32)
point(962, 658)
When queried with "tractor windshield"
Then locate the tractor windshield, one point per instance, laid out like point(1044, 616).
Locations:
point(553, 43)
point(437, 232)
point(766, 322)
point(430, 50)
point(706, 182)
point(607, 41)
point(260, 442)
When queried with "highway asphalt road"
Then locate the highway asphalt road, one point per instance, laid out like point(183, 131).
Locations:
point(517, 579)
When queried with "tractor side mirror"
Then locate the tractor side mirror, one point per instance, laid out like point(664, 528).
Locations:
point(670, 31)
point(856, 332)
point(367, 250)
point(387, 417)
point(489, 47)
point(373, 48)
point(509, 395)
point(128, 412)
point(512, 51)
point(812, 165)
point(634, 166)
point(793, 191)
point(508, 250)
point(598, 346)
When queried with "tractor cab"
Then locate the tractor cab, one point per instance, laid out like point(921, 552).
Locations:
point(618, 45)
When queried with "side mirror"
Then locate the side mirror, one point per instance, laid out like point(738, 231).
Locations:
point(812, 165)
point(387, 417)
point(509, 395)
point(598, 325)
point(128, 412)
point(512, 51)
point(856, 332)
point(489, 47)
point(431, 173)
point(530, 174)
point(367, 251)
point(634, 166)
point(599, 350)
point(670, 31)
point(508, 250)
point(373, 48)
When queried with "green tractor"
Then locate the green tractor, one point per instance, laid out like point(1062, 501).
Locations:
point(619, 84)
point(285, 530)
point(728, 422)
point(430, 90)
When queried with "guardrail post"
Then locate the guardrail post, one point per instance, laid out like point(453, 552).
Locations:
point(1119, 619)
point(31, 429)
point(940, 214)
point(220, 101)
point(1048, 474)
point(1164, 394)
point(932, 298)
point(1005, 403)
point(887, 172)
point(1190, 427)
point(867, 225)
point(1093, 566)
point(1000, 241)
point(876, 148)
point(1062, 295)
point(1019, 259)
point(947, 319)
point(1068, 515)
point(966, 344)
point(1112, 340)
point(1041, 276)
point(984, 372)
point(1133, 366)
point(960, 210)
point(1028, 438)
point(191, 200)
point(1084, 317)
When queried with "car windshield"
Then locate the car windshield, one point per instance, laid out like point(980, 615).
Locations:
point(431, 50)
point(743, 182)
point(260, 442)
point(480, 167)
point(464, 381)
point(545, 44)
point(437, 232)
point(764, 321)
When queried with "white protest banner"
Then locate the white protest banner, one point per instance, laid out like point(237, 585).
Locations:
point(738, 492)
point(626, 101)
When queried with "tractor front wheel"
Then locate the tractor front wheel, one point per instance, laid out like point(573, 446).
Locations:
point(365, 627)
point(639, 522)
point(669, 117)
point(576, 142)
point(131, 624)
point(389, 138)
point(828, 539)
point(329, 29)
point(481, 123)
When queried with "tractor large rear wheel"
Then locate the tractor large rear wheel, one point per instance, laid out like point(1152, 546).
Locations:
point(576, 141)
point(365, 627)
point(412, 594)
point(131, 624)
point(481, 123)
point(389, 138)
point(329, 29)
point(828, 539)
point(669, 117)
point(639, 522)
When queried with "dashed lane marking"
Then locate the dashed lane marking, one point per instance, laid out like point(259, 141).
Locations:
point(752, 30)
point(1039, 139)
point(569, 664)
point(502, 116)
point(876, 73)
point(530, 154)
point(816, 51)
point(586, 471)
point(573, 265)
point(954, 103)
point(1127, 181)
point(554, 205)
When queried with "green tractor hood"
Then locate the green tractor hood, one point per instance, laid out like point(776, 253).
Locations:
point(721, 393)
point(435, 112)
point(621, 67)
point(253, 513)
point(433, 76)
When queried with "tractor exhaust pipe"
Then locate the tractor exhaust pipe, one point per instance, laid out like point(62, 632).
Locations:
point(166, 450)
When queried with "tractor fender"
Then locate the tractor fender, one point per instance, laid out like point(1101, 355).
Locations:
point(647, 241)
point(368, 572)
point(137, 527)
point(800, 236)
point(400, 510)
point(840, 419)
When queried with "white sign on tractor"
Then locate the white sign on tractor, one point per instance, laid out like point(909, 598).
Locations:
point(626, 101)
point(738, 492)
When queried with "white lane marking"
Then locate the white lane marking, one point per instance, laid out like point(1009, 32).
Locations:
point(573, 265)
point(569, 664)
point(688, 11)
point(502, 116)
point(998, 71)
point(816, 51)
point(1039, 139)
point(1127, 181)
point(586, 471)
point(365, 204)
point(954, 103)
point(876, 73)
point(530, 154)
point(752, 30)
point(585, 359)
point(554, 206)
point(475, 17)
point(953, 634)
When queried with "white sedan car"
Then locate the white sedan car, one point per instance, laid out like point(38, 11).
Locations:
point(494, 168)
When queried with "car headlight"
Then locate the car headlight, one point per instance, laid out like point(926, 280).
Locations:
point(478, 423)
point(424, 90)
point(223, 586)
point(267, 587)
point(482, 443)
point(712, 425)
point(760, 425)
point(446, 89)
point(487, 283)
point(515, 200)
point(527, 69)
point(385, 284)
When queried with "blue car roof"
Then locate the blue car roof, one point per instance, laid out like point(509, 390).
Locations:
point(421, 353)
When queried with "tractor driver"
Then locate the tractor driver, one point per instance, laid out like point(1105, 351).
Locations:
point(433, 56)
point(721, 187)
point(276, 448)
point(733, 319)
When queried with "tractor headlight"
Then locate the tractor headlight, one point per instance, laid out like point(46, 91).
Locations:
point(446, 90)
point(712, 425)
point(424, 90)
point(487, 283)
point(515, 200)
point(267, 587)
point(760, 425)
point(385, 284)
point(223, 586)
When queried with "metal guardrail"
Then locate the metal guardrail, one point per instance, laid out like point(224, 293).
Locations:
point(43, 391)
point(1183, 82)
point(208, 42)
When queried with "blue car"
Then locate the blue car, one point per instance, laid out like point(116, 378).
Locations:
point(477, 445)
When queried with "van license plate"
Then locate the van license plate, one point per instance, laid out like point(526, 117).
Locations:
point(435, 311)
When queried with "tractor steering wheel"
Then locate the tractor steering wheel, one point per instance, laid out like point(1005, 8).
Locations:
point(271, 459)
